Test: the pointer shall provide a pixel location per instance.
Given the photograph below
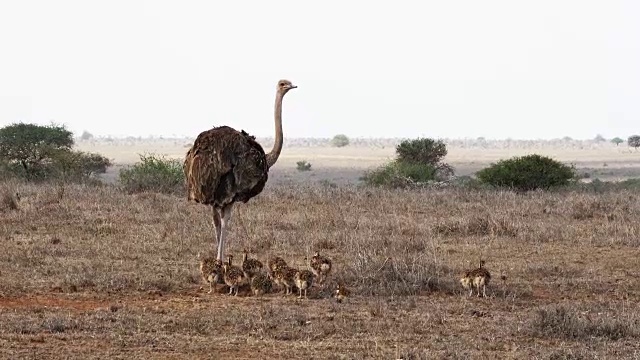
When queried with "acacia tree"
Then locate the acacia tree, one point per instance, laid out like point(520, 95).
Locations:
point(37, 152)
point(31, 145)
point(617, 141)
point(634, 141)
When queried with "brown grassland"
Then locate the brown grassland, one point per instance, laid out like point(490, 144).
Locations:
point(93, 272)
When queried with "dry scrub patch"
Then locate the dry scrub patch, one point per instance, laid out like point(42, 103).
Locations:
point(90, 272)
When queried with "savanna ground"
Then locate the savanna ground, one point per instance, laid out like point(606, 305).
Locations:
point(92, 272)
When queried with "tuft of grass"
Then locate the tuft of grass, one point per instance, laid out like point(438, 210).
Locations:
point(476, 225)
point(563, 322)
point(398, 276)
point(9, 201)
point(303, 165)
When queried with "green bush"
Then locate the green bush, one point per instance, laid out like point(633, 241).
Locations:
point(340, 140)
point(527, 173)
point(303, 165)
point(397, 174)
point(422, 151)
point(78, 166)
point(418, 161)
point(153, 173)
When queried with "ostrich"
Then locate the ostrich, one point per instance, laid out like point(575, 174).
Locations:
point(225, 166)
point(478, 278)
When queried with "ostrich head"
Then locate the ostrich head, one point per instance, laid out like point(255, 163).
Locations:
point(285, 85)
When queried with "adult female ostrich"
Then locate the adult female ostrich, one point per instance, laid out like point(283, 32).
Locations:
point(225, 166)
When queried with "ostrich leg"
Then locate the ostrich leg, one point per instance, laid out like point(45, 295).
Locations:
point(217, 223)
point(226, 217)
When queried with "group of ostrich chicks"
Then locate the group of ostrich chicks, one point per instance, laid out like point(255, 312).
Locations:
point(278, 272)
point(251, 273)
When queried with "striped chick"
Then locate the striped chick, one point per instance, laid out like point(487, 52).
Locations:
point(275, 263)
point(303, 280)
point(261, 284)
point(321, 266)
point(210, 269)
point(234, 277)
point(251, 267)
point(285, 277)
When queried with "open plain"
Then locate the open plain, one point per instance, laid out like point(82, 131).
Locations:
point(93, 272)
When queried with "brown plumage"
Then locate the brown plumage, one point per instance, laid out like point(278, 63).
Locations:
point(233, 276)
point(225, 166)
point(275, 263)
point(210, 269)
point(321, 266)
point(261, 284)
point(478, 278)
point(285, 277)
point(303, 280)
point(251, 267)
point(341, 293)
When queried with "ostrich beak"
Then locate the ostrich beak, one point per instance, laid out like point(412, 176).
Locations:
point(292, 86)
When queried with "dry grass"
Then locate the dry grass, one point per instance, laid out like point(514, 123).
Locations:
point(93, 273)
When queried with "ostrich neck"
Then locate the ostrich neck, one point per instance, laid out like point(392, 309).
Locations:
point(272, 156)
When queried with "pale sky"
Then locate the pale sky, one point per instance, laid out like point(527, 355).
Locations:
point(498, 69)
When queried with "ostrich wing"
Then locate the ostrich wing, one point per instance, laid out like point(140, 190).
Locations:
point(224, 166)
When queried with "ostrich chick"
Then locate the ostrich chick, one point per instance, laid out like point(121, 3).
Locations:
point(341, 293)
point(285, 277)
point(251, 267)
point(261, 284)
point(478, 278)
point(210, 269)
point(275, 263)
point(303, 280)
point(321, 266)
point(233, 276)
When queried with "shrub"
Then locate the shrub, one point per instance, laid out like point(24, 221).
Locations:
point(418, 161)
point(303, 165)
point(153, 173)
point(634, 141)
point(340, 140)
point(422, 151)
point(397, 174)
point(527, 173)
point(86, 135)
point(79, 166)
